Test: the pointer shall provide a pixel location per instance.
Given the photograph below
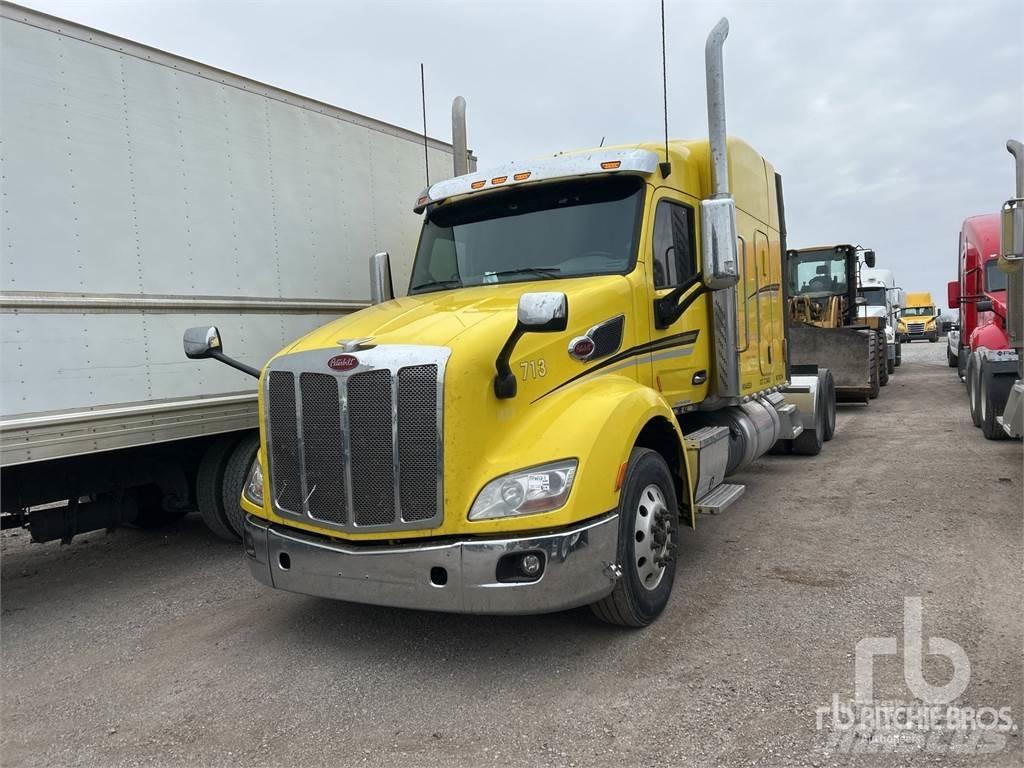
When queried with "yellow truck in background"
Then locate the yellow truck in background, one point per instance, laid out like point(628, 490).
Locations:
point(590, 344)
point(919, 319)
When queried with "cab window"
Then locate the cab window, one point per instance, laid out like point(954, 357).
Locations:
point(674, 248)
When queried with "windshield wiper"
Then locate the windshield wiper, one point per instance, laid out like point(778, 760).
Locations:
point(454, 283)
point(547, 273)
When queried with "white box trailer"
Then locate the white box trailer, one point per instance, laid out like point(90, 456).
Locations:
point(144, 193)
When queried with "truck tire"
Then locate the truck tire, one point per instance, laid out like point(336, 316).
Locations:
point(994, 392)
point(899, 353)
point(648, 526)
point(883, 368)
point(236, 471)
point(210, 486)
point(973, 385)
point(890, 365)
point(151, 511)
point(809, 442)
point(933, 338)
point(951, 359)
point(828, 385)
point(873, 383)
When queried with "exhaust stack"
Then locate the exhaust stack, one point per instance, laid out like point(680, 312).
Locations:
point(715, 74)
point(461, 153)
point(718, 232)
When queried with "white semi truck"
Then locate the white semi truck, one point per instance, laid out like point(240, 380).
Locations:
point(877, 287)
point(144, 192)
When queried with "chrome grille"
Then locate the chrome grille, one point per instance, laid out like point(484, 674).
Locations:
point(285, 478)
point(417, 441)
point(915, 327)
point(359, 449)
point(321, 440)
point(373, 458)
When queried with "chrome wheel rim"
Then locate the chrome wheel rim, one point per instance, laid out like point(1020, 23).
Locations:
point(652, 539)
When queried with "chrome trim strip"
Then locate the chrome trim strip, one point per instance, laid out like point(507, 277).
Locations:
point(55, 301)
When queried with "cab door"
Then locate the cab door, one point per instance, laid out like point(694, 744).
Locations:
point(678, 346)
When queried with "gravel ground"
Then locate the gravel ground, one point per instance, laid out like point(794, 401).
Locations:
point(146, 649)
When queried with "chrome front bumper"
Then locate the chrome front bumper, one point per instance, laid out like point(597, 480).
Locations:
point(579, 568)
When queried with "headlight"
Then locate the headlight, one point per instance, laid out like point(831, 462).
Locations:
point(254, 484)
point(527, 492)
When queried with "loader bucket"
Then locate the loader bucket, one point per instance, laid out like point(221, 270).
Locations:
point(844, 351)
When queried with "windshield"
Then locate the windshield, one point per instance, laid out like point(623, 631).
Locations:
point(568, 229)
point(919, 311)
point(995, 278)
point(818, 273)
point(875, 297)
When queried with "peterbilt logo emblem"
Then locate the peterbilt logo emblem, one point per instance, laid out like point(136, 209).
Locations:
point(582, 348)
point(342, 362)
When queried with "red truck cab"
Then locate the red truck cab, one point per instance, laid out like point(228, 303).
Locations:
point(979, 294)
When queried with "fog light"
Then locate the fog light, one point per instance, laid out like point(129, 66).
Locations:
point(530, 565)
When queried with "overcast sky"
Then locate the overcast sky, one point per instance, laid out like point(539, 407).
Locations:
point(887, 120)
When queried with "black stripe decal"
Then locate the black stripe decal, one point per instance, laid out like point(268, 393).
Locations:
point(668, 342)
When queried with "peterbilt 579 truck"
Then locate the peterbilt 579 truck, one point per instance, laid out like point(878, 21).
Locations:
point(590, 344)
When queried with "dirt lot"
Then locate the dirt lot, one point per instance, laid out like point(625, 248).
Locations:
point(146, 649)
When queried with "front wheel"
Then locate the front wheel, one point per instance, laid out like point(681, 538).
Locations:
point(648, 538)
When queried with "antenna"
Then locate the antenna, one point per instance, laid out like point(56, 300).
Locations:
point(602, 142)
point(423, 96)
point(666, 167)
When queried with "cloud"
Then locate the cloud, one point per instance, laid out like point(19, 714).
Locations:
point(887, 119)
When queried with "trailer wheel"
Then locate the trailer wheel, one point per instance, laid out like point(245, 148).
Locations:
point(994, 392)
point(873, 383)
point(828, 388)
point(151, 511)
point(236, 470)
point(648, 537)
point(973, 386)
point(210, 486)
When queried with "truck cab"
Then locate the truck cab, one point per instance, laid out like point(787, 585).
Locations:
point(879, 297)
point(979, 293)
point(919, 319)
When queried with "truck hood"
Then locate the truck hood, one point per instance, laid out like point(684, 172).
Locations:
point(483, 314)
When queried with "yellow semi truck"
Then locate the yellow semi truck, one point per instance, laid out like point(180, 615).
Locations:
point(590, 344)
point(919, 318)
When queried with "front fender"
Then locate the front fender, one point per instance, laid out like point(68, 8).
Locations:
point(596, 422)
point(989, 336)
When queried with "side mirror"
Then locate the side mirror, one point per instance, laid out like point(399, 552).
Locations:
point(869, 259)
point(381, 287)
point(543, 311)
point(718, 243)
point(953, 294)
point(1011, 230)
point(539, 312)
point(983, 305)
point(204, 342)
point(200, 342)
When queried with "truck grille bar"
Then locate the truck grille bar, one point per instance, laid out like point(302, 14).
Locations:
point(915, 327)
point(357, 450)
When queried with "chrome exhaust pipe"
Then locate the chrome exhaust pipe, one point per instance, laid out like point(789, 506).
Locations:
point(715, 74)
point(460, 151)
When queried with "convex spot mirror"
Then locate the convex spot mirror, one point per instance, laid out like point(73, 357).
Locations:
point(718, 243)
point(201, 341)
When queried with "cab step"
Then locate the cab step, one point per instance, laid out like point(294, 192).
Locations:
point(720, 498)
